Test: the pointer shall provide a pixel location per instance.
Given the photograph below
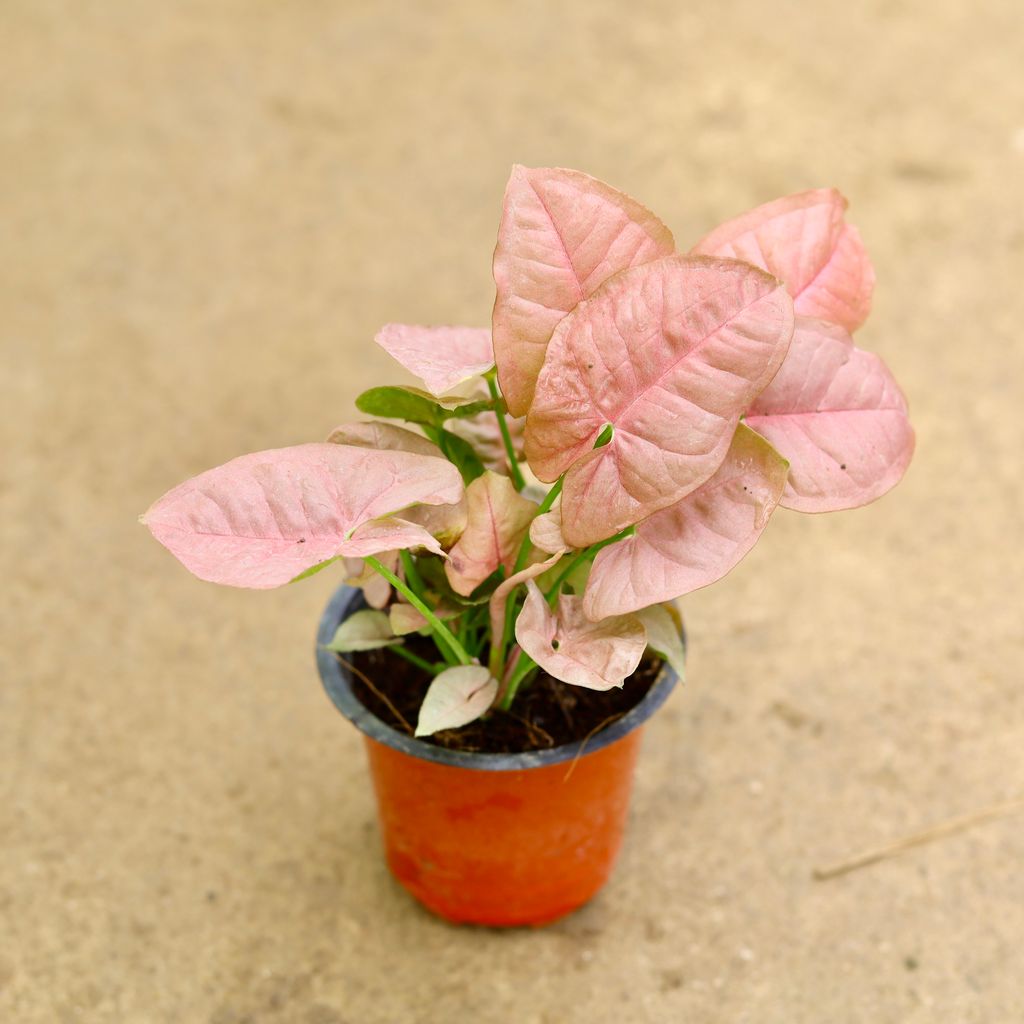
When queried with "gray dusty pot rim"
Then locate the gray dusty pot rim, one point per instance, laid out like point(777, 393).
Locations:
point(338, 684)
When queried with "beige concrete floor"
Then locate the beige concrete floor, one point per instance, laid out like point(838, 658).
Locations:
point(207, 209)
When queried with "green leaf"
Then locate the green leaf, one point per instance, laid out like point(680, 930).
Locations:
point(401, 403)
point(460, 452)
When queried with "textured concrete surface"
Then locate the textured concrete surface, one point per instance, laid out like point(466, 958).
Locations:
point(207, 209)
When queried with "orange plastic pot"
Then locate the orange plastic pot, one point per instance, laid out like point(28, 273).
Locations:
point(495, 839)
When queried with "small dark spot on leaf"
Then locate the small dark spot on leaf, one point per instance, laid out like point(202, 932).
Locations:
point(302, 540)
point(590, 366)
point(843, 466)
point(554, 645)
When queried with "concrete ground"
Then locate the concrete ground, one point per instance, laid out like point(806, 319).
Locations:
point(207, 210)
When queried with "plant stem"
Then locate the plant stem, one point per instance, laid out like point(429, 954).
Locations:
point(415, 659)
point(441, 631)
point(580, 556)
point(412, 574)
point(523, 668)
point(506, 437)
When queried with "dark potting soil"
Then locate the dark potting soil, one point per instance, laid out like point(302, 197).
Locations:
point(546, 713)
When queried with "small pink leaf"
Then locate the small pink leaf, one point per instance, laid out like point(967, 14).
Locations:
point(440, 356)
point(262, 519)
point(597, 655)
point(383, 437)
point(546, 529)
point(405, 619)
point(456, 697)
point(392, 534)
point(498, 520)
point(562, 234)
point(445, 522)
point(840, 418)
point(671, 354)
point(376, 589)
point(694, 542)
point(499, 599)
point(804, 241)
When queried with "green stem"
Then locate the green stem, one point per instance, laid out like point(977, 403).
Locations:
point(412, 574)
point(415, 659)
point(506, 437)
point(524, 666)
point(441, 631)
point(552, 594)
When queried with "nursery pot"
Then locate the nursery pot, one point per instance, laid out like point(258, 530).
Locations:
point(494, 839)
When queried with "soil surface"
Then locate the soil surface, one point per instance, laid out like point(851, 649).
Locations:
point(546, 713)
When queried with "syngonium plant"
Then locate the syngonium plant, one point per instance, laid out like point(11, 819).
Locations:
point(617, 439)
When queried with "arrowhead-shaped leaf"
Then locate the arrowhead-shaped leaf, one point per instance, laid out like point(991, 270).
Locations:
point(664, 637)
point(840, 418)
point(445, 522)
point(562, 234)
point(261, 519)
point(546, 529)
point(694, 542)
point(441, 357)
point(499, 599)
point(597, 655)
point(804, 241)
point(390, 534)
point(671, 354)
point(456, 697)
point(364, 630)
point(498, 520)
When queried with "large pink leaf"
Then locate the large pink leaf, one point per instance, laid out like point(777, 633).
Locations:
point(562, 234)
point(498, 520)
point(456, 697)
point(445, 522)
point(697, 540)
point(440, 356)
point(598, 655)
point(671, 354)
point(262, 519)
point(840, 418)
point(804, 241)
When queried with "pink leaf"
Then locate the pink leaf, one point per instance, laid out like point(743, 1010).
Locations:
point(262, 519)
point(499, 599)
point(840, 418)
point(546, 529)
point(406, 619)
point(392, 534)
point(694, 542)
point(498, 520)
point(671, 354)
point(440, 356)
point(597, 655)
point(664, 635)
point(562, 234)
point(376, 589)
point(456, 697)
point(445, 522)
point(804, 241)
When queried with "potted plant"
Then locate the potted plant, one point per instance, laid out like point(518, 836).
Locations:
point(618, 438)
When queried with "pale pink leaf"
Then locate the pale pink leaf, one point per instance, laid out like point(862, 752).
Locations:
point(562, 234)
point(546, 529)
point(375, 587)
point(664, 635)
point(695, 541)
point(840, 418)
point(597, 655)
point(499, 599)
point(671, 354)
point(384, 437)
point(441, 357)
point(498, 520)
point(445, 522)
point(365, 630)
point(456, 697)
point(391, 534)
point(804, 241)
point(262, 519)
point(405, 619)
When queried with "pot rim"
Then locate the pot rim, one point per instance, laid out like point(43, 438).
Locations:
point(337, 681)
